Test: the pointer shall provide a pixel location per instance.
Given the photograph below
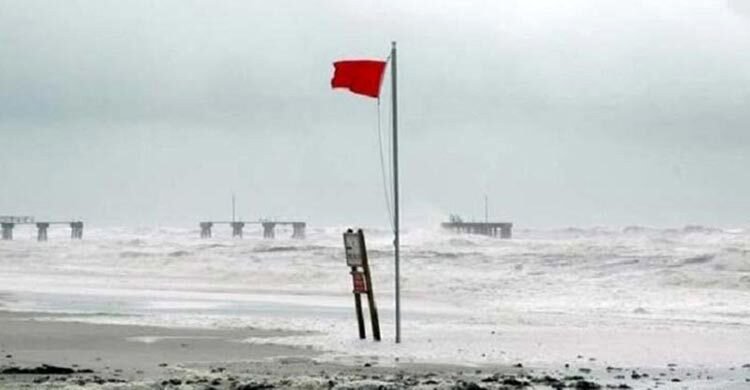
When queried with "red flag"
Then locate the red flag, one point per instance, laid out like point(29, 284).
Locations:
point(359, 76)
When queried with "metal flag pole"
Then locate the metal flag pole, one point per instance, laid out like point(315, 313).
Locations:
point(396, 243)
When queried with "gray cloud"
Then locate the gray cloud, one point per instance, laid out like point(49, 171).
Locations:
point(582, 112)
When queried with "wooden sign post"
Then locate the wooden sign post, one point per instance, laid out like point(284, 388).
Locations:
point(356, 259)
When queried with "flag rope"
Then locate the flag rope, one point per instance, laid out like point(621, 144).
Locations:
point(386, 188)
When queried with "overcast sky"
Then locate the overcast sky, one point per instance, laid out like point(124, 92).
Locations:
point(563, 112)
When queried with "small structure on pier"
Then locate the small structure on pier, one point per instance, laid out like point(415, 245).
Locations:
point(269, 227)
point(9, 222)
point(492, 229)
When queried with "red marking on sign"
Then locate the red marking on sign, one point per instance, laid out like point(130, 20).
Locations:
point(359, 282)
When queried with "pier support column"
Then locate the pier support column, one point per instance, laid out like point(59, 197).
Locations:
point(8, 230)
point(505, 231)
point(206, 229)
point(76, 230)
point(268, 230)
point(298, 230)
point(41, 234)
point(237, 229)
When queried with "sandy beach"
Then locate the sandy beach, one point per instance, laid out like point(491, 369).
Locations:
point(44, 350)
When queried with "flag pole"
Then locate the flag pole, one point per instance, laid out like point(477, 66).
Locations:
point(396, 243)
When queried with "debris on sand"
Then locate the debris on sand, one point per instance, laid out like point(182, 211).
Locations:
point(44, 369)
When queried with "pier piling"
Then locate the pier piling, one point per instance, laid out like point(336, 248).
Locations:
point(298, 230)
point(206, 229)
point(76, 230)
point(269, 229)
point(237, 229)
point(7, 230)
point(41, 234)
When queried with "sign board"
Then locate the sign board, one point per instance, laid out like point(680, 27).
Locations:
point(358, 279)
point(356, 258)
point(353, 249)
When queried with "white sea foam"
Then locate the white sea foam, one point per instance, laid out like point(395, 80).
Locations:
point(633, 295)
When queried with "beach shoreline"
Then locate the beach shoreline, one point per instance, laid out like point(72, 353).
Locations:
point(134, 356)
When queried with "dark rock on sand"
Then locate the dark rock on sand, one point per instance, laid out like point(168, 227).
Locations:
point(587, 385)
point(411, 381)
point(41, 379)
point(512, 381)
point(254, 386)
point(549, 381)
point(461, 385)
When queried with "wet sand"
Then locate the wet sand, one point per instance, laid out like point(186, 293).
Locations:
point(126, 351)
point(141, 357)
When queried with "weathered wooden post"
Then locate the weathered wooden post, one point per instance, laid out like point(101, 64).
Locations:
point(237, 229)
point(41, 234)
point(268, 229)
point(206, 229)
point(356, 257)
point(7, 230)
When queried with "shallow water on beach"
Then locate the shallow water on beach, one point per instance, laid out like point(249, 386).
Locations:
point(632, 296)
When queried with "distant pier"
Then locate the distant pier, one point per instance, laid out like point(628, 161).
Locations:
point(492, 229)
point(8, 223)
point(269, 228)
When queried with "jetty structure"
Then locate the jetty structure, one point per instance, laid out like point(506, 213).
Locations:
point(269, 227)
point(491, 229)
point(8, 223)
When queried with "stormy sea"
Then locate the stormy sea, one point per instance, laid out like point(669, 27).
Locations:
point(590, 298)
